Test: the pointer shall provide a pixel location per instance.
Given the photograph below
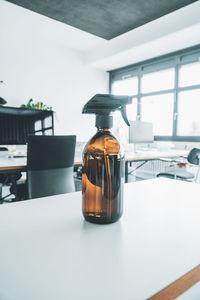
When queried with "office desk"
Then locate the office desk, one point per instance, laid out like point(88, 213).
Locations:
point(19, 164)
point(150, 155)
point(14, 164)
point(49, 252)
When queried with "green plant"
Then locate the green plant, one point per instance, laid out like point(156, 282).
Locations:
point(38, 105)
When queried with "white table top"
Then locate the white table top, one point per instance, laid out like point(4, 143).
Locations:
point(8, 162)
point(154, 153)
point(20, 162)
point(48, 251)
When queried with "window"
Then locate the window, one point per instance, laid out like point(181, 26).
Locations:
point(127, 86)
point(166, 92)
point(158, 110)
point(44, 126)
point(38, 125)
point(131, 110)
point(189, 74)
point(157, 81)
point(189, 113)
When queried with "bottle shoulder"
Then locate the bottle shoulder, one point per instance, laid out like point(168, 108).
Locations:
point(103, 142)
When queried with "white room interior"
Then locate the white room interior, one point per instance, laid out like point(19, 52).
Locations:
point(63, 66)
point(142, 193)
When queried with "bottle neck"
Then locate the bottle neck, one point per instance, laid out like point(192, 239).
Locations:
point(103, 129)
point(104, 122)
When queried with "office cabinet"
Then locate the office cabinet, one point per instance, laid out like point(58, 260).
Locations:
point(17, 123)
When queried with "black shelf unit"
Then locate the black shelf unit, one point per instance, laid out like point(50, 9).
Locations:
point(17, 123)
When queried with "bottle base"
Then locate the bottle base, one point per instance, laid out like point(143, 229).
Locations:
point(100, 219)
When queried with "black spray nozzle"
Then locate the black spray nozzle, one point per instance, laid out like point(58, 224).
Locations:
point(104, 104)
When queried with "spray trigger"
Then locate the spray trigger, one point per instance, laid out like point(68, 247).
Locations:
point(124, 116)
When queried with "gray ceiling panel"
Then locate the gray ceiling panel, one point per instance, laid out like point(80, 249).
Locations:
point(103, 18)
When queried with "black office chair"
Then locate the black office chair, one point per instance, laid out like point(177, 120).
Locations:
point(50, 164)
point(181, 173)
point(10, 178)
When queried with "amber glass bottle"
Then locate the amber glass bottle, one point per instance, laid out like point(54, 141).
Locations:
point(102, 178)
point(103, 162)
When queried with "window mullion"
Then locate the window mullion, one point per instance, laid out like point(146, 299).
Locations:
point(158, 93)
point(139, 94)
point(176, 80)
point(188, 88)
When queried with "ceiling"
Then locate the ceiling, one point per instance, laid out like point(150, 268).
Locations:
point(104, 18)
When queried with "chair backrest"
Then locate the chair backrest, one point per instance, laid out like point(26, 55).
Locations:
point(50, 164)
point(194, 156)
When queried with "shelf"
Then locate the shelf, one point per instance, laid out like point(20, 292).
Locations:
point(19, 111)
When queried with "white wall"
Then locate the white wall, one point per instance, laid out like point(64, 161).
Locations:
point(34, 65)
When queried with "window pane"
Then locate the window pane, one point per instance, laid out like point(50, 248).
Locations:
point(189, 113)
point(157, 81)
point(120, 129)
point(189, 74)
point(125, 87)
point(47, 122)
point(38, 133)
point(48, 132)
point(158, 110)
point(131, 110)
point(38, 125)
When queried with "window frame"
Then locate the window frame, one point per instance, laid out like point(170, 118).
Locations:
point(173, 60)
point(43, 129)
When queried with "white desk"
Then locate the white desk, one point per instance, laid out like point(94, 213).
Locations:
point(155, 154)
point(151, 154)
point(48, 252)
point(7, 164)
point(19, 164)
